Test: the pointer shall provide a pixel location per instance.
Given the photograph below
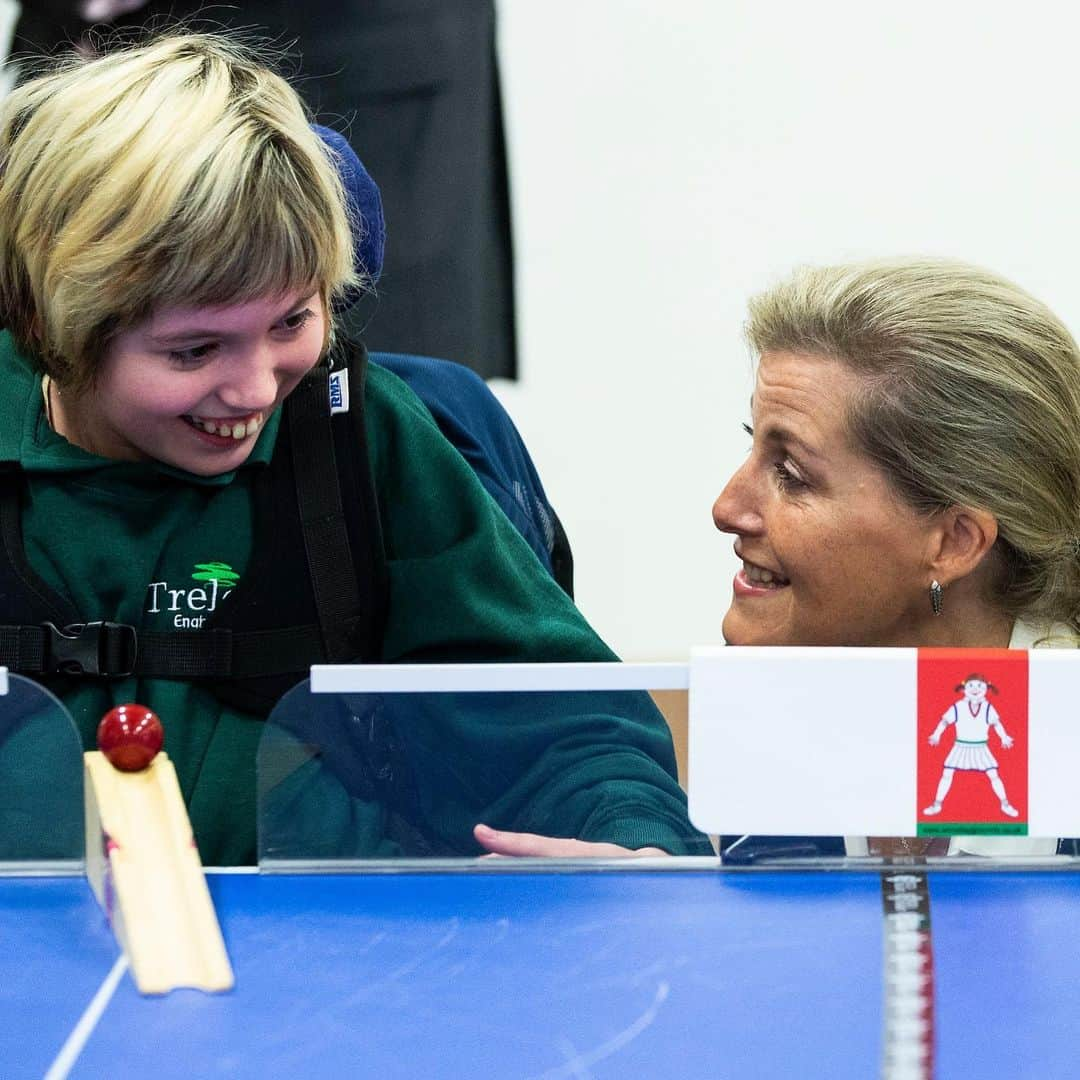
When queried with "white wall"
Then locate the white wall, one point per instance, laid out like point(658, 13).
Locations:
point(671, 159)
point(8, 10)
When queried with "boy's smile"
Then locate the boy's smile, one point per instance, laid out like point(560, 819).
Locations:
point(193, 387)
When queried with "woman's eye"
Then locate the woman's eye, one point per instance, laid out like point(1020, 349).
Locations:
point(786, 480)
point(748, 429)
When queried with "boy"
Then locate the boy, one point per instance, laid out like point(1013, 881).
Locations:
point(172, 240)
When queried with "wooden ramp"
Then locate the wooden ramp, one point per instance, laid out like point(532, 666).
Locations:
point(144, 868)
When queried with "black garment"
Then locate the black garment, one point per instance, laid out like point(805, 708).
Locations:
point(414, 85)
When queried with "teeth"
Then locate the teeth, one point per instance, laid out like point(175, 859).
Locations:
point(760, 576)
point(239, 430)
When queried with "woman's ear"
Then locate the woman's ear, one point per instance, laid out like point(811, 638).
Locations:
point(963, 540)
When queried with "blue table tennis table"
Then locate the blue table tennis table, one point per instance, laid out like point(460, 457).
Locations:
point(618, 973)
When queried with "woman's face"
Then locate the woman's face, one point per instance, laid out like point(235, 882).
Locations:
point(192, 387)
point(831, 555)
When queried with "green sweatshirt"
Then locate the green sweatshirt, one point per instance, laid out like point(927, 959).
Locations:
point(145, 544)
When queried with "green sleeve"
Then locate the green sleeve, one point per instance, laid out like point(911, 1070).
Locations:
point(464, 586)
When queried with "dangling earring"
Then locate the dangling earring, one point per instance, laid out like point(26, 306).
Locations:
point(936, 593)
point(46, 393)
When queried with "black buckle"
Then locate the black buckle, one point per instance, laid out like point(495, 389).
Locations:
point(93, 648)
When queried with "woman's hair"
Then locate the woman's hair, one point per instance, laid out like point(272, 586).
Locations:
point(179, 173)
point(970, 396)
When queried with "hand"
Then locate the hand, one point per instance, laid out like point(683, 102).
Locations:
point(934, 739)
point(1006, 741)
point(530, 845)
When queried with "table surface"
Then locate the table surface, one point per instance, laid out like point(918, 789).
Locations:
point(615, 974)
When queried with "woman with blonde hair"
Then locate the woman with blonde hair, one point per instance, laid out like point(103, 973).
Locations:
point(914, 474)
point(205, 492)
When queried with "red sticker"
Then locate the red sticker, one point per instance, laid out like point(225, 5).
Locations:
point(972, 736)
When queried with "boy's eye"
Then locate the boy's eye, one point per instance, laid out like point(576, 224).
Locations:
point(192, 357)
point(295, 322)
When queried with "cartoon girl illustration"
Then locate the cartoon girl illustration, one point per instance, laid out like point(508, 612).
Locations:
point(973, 716)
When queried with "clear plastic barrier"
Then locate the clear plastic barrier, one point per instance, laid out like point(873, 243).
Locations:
point(41, 782)
point(396, 774)
point(389, 766)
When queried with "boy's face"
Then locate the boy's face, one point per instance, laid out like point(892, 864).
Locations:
point(192, 387)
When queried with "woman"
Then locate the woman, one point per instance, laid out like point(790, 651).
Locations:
point(914, 475)
point(195, 511)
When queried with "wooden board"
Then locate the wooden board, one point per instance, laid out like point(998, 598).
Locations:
point(144, 868)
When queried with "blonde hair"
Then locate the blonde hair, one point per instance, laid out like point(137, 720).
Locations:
point(970, 397)
point(179, 173)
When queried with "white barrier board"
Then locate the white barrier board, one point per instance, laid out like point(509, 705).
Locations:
point(884, 742)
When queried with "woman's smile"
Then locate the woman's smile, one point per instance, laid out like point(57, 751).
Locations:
point(830, 553)
point(754, 581)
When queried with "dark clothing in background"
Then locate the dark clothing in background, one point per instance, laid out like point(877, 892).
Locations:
point(414, 85)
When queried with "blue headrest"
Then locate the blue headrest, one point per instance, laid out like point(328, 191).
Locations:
point(365, 208)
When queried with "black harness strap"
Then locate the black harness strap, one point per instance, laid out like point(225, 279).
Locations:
point(221, 653)
point(20, 587)
point(96, 648)
point(322, 516)
point(115, 650)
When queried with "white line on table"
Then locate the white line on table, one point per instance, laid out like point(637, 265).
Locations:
point(70, 1051)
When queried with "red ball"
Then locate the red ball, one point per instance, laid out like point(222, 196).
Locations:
point(130, 737)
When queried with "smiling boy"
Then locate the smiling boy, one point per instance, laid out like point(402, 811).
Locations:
point(172, 239)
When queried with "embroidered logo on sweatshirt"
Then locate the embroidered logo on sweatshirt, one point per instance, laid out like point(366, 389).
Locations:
point(220, 572)
point(188, 606)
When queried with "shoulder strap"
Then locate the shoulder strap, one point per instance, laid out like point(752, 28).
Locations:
point(322, 518)
point(342, 539)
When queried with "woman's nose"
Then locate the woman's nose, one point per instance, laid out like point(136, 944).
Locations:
point(735, 509)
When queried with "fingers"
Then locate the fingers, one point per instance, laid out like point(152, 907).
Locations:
point(530, 845)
